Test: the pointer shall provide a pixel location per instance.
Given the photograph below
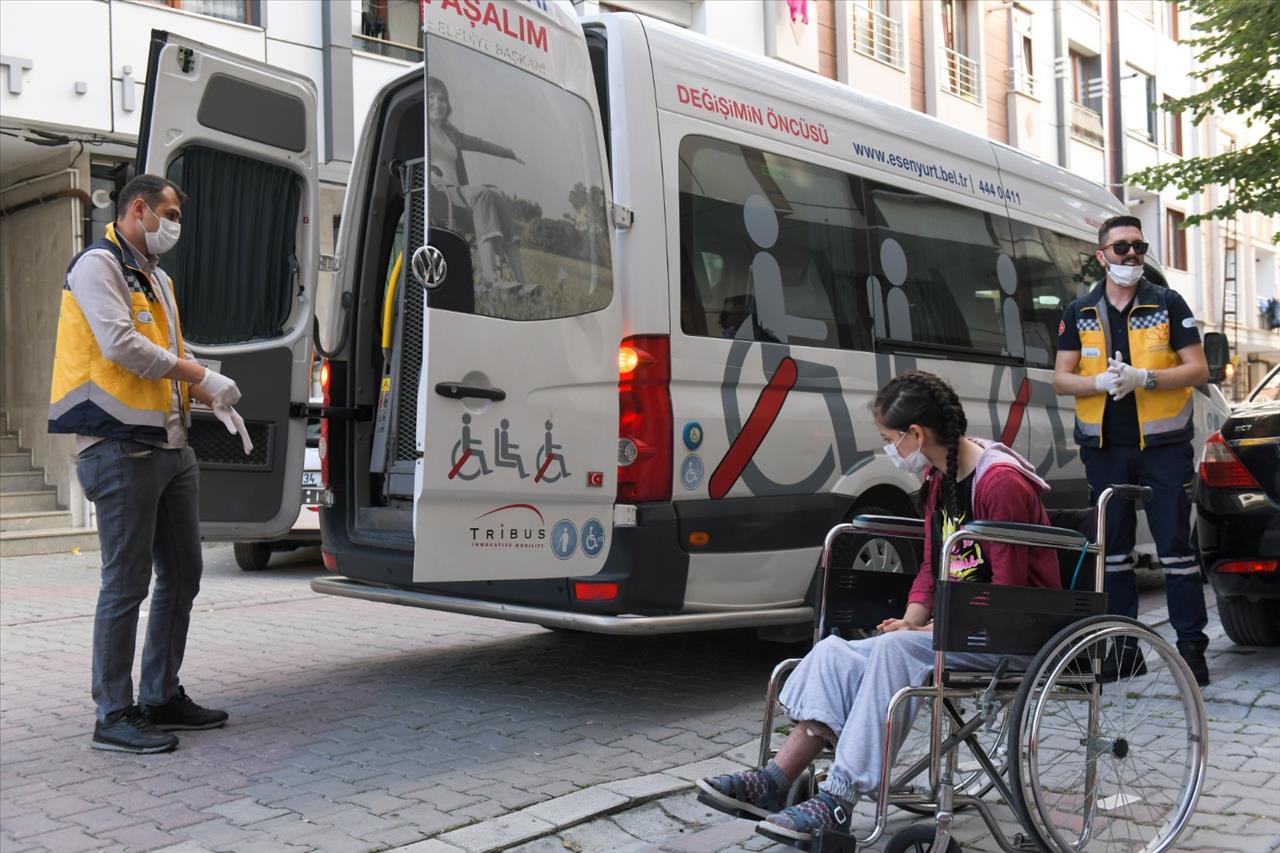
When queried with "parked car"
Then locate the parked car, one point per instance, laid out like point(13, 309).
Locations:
point(253, 556)
point(1238, 516)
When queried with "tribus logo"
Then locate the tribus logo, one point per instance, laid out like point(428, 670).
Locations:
point(510, 526)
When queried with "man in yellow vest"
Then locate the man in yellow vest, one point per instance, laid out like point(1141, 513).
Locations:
point(1130, 353)
point(122, 380)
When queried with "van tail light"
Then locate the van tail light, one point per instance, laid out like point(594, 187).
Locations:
point(325, 370)
point(644, 420)
point(1248, 567)
point(1220, 468)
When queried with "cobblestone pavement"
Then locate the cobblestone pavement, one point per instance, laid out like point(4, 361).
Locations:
point(359, 726)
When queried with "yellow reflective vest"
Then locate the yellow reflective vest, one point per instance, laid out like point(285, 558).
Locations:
point(1161, 411)
point(92, 395)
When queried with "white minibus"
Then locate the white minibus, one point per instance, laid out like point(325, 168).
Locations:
point(609, 305)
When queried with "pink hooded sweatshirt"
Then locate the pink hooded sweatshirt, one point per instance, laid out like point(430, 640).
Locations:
point(1005, 488)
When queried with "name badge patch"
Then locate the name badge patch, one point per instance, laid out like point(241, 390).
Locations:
point(1090, 352)
point(1189, 323)
point(144, 316)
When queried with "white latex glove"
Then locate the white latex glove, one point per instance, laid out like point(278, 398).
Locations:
point(222, 389)
point(235, 424)
point(1103, 382)
point(1127, 377)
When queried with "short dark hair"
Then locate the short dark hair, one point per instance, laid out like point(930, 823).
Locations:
point(150, 188)
point(1122, 221)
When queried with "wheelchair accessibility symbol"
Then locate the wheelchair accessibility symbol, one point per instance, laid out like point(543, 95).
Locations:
point(564, 539)
point(692, 471)
point(592, 538)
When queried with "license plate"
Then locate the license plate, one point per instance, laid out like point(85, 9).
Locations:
point(310, 479)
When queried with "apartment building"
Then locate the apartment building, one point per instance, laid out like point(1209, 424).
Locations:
point(1068, 81)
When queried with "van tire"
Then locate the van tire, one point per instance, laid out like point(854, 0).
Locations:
point(252, 556)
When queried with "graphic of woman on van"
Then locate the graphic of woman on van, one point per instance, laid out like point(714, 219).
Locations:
point(838, 694)
point(480, 208)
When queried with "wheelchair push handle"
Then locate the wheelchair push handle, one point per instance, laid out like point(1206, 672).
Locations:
point(1140, 494)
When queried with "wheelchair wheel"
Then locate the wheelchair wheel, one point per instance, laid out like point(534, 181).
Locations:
point(971, 777)
point(1122, 771)
point(917, 838)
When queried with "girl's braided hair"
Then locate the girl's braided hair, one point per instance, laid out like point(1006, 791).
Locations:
point(919, 397)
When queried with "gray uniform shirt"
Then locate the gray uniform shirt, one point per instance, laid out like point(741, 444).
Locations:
point(98, 285)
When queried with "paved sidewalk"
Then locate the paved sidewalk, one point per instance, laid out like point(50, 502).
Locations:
point(358, 726)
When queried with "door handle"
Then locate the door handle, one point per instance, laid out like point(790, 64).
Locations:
point(458, 391)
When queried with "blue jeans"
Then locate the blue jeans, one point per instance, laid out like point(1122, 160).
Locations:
point(1169, 470)
point(147, 501)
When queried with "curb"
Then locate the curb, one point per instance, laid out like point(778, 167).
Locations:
point(550, 817)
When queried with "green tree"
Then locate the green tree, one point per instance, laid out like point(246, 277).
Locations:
point(1238, 49)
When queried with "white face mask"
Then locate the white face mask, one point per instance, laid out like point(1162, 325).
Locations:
point(914, 463)
point(1125, 276)
point(165, 237)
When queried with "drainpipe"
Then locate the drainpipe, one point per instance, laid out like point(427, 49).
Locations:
point(1062, 68)
point(1117, 119)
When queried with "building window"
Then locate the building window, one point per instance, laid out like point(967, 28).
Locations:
point(1022, 74)
point(875, 34)
point(1172, 129)
point(240, 11)
point(960, 75)
point(1175, 238)
point(1169, 18)
point(1086, 73)
point(391, 28)
point(1139, 104)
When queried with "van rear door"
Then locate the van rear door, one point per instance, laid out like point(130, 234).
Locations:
point(517, 397)
point(239, 137)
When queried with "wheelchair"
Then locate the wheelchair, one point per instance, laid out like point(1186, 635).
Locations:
point(1100, 742)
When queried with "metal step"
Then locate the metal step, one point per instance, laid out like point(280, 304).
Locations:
point(22, 481)
point(11, 463)
point(8, 444)
point(14, 521)
point(31, 501)
point(20, 543)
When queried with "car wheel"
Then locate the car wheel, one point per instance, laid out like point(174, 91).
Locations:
point(1249, 623)
point(252, 556)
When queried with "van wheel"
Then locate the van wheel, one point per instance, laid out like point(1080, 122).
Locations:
point(883, 555)
point(252, 556)
point(1249, 623)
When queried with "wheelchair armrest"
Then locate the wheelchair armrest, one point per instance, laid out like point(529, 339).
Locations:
point(900, 527)
point(1020, 533)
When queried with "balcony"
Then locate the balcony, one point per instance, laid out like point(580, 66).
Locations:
point(961, 75)
point(1022, 82)
point(877, 36)
point(1086, 125)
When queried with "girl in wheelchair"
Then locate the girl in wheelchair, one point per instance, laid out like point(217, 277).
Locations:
point(478, 208)
point(838, 694)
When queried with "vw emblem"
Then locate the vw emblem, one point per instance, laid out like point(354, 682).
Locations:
point(429, 267)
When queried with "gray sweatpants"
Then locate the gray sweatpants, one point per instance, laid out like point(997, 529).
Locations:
point(847, 685)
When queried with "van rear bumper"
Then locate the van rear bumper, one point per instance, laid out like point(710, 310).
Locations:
point(622, 625)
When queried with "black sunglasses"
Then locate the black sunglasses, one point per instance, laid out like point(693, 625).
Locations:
point(1122, 247)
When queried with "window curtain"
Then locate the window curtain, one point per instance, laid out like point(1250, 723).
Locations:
point(235, 268)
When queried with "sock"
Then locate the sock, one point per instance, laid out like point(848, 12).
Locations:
point(774, 772)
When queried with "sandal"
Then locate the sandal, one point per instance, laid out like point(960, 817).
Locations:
point(795, 825)
point(749, 794)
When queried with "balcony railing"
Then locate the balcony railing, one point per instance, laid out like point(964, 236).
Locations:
point(961, 75)
point(392, 49)
point(877, 36)
point(1021, 81)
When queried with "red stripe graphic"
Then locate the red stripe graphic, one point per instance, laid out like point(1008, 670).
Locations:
point(1019, 406)
point(466, 454)
point(754, 430)
point(546, 464)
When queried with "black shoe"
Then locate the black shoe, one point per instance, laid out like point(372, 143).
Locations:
point(128, 730)
point(1194, 657)
point(182, 714)
point(1131, 664)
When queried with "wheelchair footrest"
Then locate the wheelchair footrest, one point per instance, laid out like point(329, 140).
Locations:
point(833, 841)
